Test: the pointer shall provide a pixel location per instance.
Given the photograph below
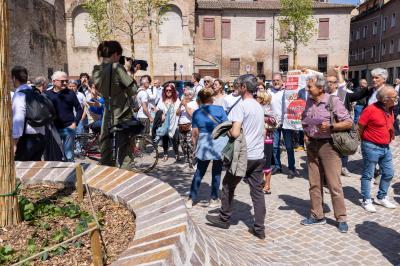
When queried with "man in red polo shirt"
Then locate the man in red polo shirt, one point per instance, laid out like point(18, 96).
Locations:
point(376, 131)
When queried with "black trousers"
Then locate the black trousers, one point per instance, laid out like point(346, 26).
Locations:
point(30, 147)
point(254, 175)
point(174, 140)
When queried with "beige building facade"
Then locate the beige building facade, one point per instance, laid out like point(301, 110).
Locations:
point(172, 43)
point(240, 39)
point(234, 38)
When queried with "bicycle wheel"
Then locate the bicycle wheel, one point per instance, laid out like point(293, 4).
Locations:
point(144, 155)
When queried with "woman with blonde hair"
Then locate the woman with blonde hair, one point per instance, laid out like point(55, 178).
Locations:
point(264, 98)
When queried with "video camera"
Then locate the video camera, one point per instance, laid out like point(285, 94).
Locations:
point(143, 63)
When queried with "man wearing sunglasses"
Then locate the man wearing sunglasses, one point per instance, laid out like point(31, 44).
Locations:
point(65, 101)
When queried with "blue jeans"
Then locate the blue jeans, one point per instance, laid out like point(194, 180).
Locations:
point(376, 154)
point(357, 112)
point(287, 138)
point(199, 174)
point(80, 129)
point(67, 136)
point(345, 161)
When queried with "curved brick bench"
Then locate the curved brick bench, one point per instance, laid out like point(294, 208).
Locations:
point(165, 234)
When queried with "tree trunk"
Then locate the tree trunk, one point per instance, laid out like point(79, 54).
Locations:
point(9, 209)
point(151, 63)
point(295, 47)
point(132, 46)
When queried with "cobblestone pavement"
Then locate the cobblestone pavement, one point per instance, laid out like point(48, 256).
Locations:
point(373, 239)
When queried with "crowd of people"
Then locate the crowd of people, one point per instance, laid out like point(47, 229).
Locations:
point(238, 125)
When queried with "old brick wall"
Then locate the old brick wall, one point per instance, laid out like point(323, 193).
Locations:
point(37, 36)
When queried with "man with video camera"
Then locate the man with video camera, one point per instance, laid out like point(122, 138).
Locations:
point(117, 87)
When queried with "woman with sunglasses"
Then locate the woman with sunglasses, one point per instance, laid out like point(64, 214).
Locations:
point(219, 94)
point(169, 104)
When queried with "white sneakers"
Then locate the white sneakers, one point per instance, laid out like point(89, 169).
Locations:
point(368, 206)
point(189, 203)
point(385, 202)
point(215, 203)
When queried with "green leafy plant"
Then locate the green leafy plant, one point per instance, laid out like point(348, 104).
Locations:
point(6, 254)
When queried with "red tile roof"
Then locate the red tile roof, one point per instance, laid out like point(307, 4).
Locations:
point(258, 5)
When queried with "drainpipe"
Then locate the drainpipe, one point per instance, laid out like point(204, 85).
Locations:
point(221, 63)
point(273, 44)
point(381, 30)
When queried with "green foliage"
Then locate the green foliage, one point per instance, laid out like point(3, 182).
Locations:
point(6, 254)
point(297, 23)
point(31, 246)
point(99, 25)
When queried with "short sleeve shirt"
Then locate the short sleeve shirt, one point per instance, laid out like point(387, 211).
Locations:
point(204, 123)
point(142, 97)
point(250, 113)
point(378, 124)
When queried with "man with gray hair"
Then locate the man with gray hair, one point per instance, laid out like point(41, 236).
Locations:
point(376, 131)
point(64, 101)
point(40, 83)
point(379, 77)
point(246, 116)
point(323, 160)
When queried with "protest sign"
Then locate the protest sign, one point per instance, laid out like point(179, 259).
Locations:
point(294, 107)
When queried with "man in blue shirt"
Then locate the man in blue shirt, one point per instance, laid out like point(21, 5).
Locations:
point(64, 101)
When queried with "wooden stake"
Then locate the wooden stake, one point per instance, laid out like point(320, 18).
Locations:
point(9, 209)
point(96, 246)
point(79, 182)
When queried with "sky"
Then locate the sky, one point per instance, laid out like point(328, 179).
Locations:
point(354, 2)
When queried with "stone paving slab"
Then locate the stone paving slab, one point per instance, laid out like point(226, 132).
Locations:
point(373, 239)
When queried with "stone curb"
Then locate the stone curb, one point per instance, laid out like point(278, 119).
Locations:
point(165, 233)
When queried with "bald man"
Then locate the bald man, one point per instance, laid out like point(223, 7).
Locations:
point(377, 132)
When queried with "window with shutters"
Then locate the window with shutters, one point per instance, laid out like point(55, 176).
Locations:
point(375, 28)
point(260, 30)
point(357, 35)
point(226, 29)
point(373, 51)
point(384, 24)
point(260, 68)
point(283, 63)
point(393, 22)
point(284, 29)
point(391, 47)
point(363, 54)
point(322, 63)
point(383, 48)
point(235, 67)
point(323, 31)
point(365, 30)
point(208, 28)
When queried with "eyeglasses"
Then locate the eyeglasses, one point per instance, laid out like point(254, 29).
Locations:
point(62, 80)
point(332, 81)
point(207, 81)
point(394, 97)
point(168, 90)
point(231, 86)
point(276, 80)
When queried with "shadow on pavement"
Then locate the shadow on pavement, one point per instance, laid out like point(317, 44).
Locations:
point(352, 194)
point(302, 207)
point(382, 238)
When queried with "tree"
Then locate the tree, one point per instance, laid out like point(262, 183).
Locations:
point(99, 24)
point(152, 11)
point(9, 209)
point(297, 25)
point(126, 19)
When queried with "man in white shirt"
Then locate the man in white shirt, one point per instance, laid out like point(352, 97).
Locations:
point(231, 100)
point(157, 90)
point(278, 107)
point(196, 77)
point(29, 142)
point(248, 116)
point(142, 97)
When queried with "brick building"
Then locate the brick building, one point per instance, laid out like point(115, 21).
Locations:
point(37, 36)
point(375, 39)
point(235, 37)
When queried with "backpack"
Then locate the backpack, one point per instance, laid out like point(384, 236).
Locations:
point(39, 109)
point(345, 142)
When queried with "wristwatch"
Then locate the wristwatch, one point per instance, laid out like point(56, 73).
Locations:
point(331, 127)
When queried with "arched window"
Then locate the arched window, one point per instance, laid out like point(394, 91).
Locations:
point(81, 36)
point(171, 30)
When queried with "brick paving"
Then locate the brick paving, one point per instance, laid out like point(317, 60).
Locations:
point(373, 239)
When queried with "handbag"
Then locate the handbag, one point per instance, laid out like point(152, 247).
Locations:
point(163, 130)
point(184, 128)
point(345, 142)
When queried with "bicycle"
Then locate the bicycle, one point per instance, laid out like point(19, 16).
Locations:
point(143, 150)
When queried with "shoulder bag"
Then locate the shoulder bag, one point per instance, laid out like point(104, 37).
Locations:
point(345, 142)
